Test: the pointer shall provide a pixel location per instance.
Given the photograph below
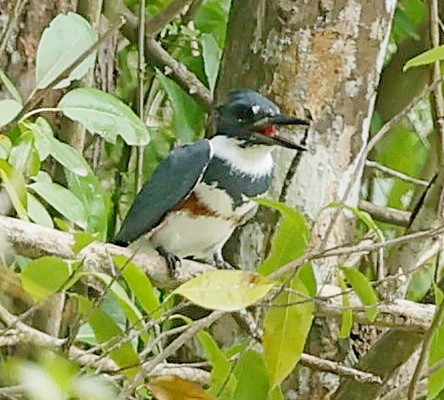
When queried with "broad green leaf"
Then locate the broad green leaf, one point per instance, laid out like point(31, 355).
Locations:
point(428, 57)
point(14, 183)
point(276, 394)
point(66, 155)
point(286, 330)
point(421, 282)
point(131, 311)
point(10, 87)
point(62, 200)
point(225, 290)
point(252, 377)
point(347, 315)
point(290, 240)
point(62, 43)
point(21, 153)
point(363, 289)
point(436, 354)
point(223, 381)
point(188, 115)
point(104, 114)
point(211, 55)
point(82, 239)
point(9, 109)
point(37, 212)
point(106, 329)
point(212, 17)
point(95, 200)
point(45, 276)
point(140, 285)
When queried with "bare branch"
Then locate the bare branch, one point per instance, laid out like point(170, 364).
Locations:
point(386, 214)
point(397, 174)
point(186, 79)
point(171, 11)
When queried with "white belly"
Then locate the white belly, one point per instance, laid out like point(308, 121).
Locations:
point(185, 235)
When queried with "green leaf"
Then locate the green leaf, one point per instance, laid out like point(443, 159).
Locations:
point(225, 290)
point(290, 240)
point(9, 109)
point(10, 87)
point(81, 240)
point(21, 153)
point(140, 286)
point(428, 57)
point(188, 115)
point(347, 315)
point(104, 114)
point(62, 43)
point(95, 200)
point(5, 146)
point(436, 354)
point(15, 185)
point(276, 394)
point(37, 212)
point(106, 329)
point(62, 200)
point(131, 311)
point(212, 17)
point(252, 377)
point(286, 330)
point(45, 276)
point(363, 289)
point(223, 382)
point(211, 55)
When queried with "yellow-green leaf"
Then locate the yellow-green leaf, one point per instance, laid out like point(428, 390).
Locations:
point(226, 290)
point(15, 185)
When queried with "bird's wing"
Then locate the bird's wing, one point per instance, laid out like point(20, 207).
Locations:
point(170, 183)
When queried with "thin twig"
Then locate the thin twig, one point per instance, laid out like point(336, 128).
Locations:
point(18, 8)
point(169, 350)
point(397, 174)
point(140, 92)
point(171, 11)
point(386, 214)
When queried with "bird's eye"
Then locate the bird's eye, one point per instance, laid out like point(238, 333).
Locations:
point(244, 113)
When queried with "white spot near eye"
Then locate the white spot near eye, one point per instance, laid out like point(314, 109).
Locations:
point(255, 108)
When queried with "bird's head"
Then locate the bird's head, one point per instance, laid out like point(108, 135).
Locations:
point(254, 120)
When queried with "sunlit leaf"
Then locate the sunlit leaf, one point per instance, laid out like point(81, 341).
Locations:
point(62, 200)
point(363, 288)
point(93, 388)
point(38, 383)
point(171, 387)
point(63, 42)
point(428, 57)
point(14, 183)
point(45, 276)
point(225, 290)
point(286, 329)
point(104, 114)
point(5, 146)
point(290, 239)
point(9, 109)
point(21, 153)
point(82, 239)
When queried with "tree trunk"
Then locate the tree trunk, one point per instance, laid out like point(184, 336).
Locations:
point(325, 57)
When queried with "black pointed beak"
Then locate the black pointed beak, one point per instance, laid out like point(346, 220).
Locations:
point(265, 125)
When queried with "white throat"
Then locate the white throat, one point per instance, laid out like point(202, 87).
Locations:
point(251, 160)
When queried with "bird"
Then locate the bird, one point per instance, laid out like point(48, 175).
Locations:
point(202, 191)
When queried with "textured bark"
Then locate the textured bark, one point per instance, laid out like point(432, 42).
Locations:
point(325, 57)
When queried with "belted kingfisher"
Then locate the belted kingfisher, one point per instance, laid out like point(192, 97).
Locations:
point(201, 192)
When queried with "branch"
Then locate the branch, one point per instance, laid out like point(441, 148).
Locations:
point(396, 174)
point(32, 240)
point(171, 11)
point(182, 76)
point(386, 214)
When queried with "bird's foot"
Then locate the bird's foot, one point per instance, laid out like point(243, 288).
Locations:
point(221, 263)
point(172, 261)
